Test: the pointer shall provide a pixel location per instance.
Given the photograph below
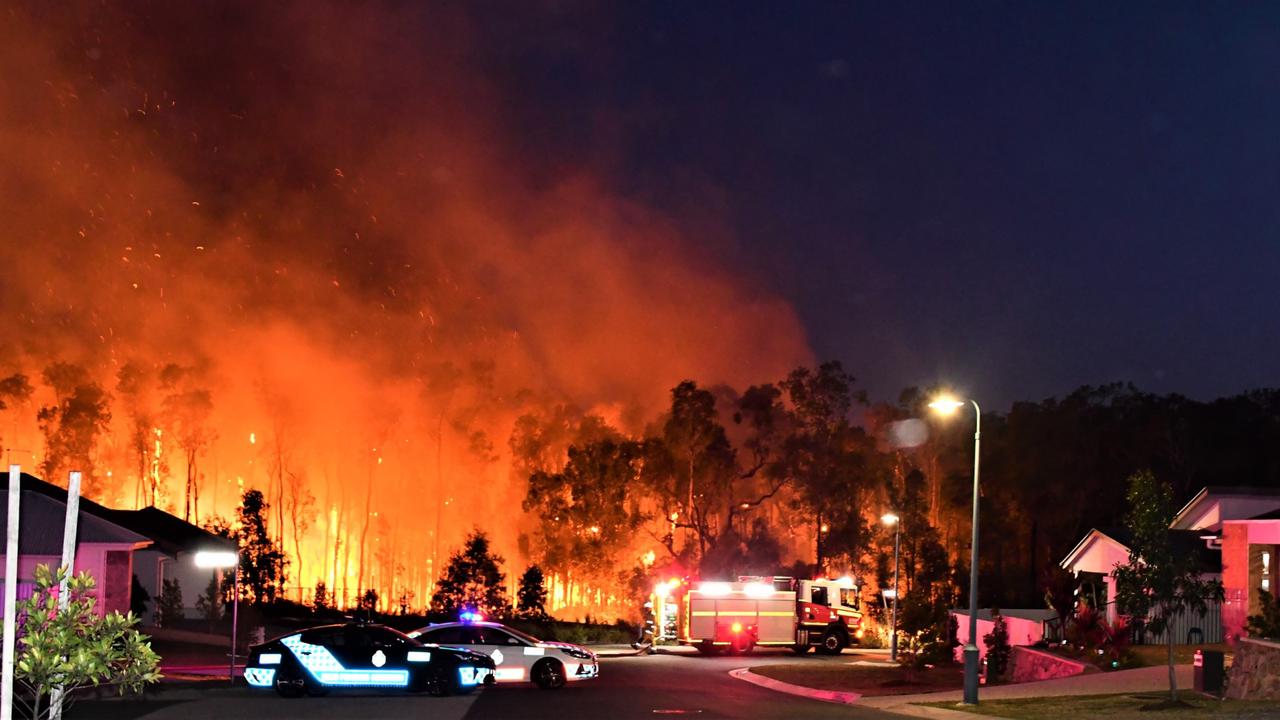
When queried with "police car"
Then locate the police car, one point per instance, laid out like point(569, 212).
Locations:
point(362, 655)
point(518, 657)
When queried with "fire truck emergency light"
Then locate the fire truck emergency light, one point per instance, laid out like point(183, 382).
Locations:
point(714, 589)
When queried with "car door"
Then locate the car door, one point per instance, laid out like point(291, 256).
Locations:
point(506, 650)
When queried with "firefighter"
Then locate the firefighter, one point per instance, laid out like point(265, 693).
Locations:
point(648, 628)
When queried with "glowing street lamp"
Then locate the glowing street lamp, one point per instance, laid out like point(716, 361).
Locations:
point(895, 521)
point(948, 405)
point(226, 559)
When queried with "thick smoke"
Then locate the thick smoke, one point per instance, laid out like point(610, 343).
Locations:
point(321, 214)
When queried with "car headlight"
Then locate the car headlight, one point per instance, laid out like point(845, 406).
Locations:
point(578, 653)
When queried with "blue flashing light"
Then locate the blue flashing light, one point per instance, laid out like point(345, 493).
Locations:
point(470, 616)
point(259, 677)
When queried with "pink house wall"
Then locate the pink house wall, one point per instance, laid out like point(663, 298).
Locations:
point(1235, 578)
point(1021, 632)
point(90, 557)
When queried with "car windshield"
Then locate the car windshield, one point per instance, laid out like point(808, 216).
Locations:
point(523, 636)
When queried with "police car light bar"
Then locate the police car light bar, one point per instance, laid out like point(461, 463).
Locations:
point(470, 616)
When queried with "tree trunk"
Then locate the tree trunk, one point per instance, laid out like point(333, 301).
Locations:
point(364, 534)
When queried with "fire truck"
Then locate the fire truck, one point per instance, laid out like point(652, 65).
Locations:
point(715, 616)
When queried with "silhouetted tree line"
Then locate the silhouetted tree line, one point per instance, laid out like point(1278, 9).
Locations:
point(730, 482)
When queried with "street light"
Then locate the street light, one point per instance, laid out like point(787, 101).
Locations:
point(225, 559)
point(894, 520)
point(948, 405)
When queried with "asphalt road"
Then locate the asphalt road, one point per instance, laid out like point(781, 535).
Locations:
point(666, 685)
point(628, 688)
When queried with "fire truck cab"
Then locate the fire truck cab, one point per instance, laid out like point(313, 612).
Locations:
point(718, 616)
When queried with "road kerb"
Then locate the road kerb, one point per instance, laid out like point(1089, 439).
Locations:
point(832, 696)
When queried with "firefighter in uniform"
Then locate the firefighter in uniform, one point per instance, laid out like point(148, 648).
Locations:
point(648, 628)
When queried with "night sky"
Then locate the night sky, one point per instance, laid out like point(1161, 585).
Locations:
point(1017, 198)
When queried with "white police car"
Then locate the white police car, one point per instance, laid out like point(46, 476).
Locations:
point(518, 657)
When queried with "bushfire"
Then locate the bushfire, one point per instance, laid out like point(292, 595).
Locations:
point(310, 254)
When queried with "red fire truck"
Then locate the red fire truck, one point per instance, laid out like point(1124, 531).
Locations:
point(715, 616)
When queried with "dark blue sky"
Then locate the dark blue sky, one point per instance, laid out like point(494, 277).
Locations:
point(1017, 198)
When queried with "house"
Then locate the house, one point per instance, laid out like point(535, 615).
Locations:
point(1236, 532)
point(115, 546)
point(103, 548)
point(171, 556)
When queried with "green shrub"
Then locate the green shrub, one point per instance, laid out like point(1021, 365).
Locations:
point(1266, 624)
point(73, 648)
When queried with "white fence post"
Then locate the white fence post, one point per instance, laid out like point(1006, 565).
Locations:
point(69, 529)
point(10, 592)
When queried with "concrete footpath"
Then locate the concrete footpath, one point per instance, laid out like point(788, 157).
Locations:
point(1139, 680)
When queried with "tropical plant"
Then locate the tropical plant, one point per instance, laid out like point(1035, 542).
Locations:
point(73, 647)
point(1266, 623)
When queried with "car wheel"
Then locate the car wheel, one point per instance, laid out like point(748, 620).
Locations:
point(832, 643)
point(440, 682)
point(548, 674)
point(289, 684)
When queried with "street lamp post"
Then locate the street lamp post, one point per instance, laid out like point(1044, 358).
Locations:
point(892, 519)
point(946, 406)
point(222, 559)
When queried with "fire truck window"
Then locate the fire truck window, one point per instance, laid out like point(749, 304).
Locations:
point(849, 597)
point(818, 596)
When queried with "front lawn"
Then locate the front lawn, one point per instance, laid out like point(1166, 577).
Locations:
point(1120, 707)
point(888, 680)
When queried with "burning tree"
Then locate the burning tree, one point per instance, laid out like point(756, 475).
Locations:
point(187, 409)
point(133, 385)
point(73, 424)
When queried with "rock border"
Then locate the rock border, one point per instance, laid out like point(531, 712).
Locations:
point(831, 696)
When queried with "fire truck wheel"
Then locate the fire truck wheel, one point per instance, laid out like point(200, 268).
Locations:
point(741, 646)
point(800, 649)
point(707, 648)
point(833, 642)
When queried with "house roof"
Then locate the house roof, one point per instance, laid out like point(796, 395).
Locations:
point(1212, 492)
point(1185, 543)
point(43, 515)
point(1273, 515)
point(1084, 542)
point(171, 534)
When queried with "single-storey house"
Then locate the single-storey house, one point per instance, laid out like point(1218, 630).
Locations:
point(1234, 530)
point(115, 546)
point(171, 556)
point(103, 548)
